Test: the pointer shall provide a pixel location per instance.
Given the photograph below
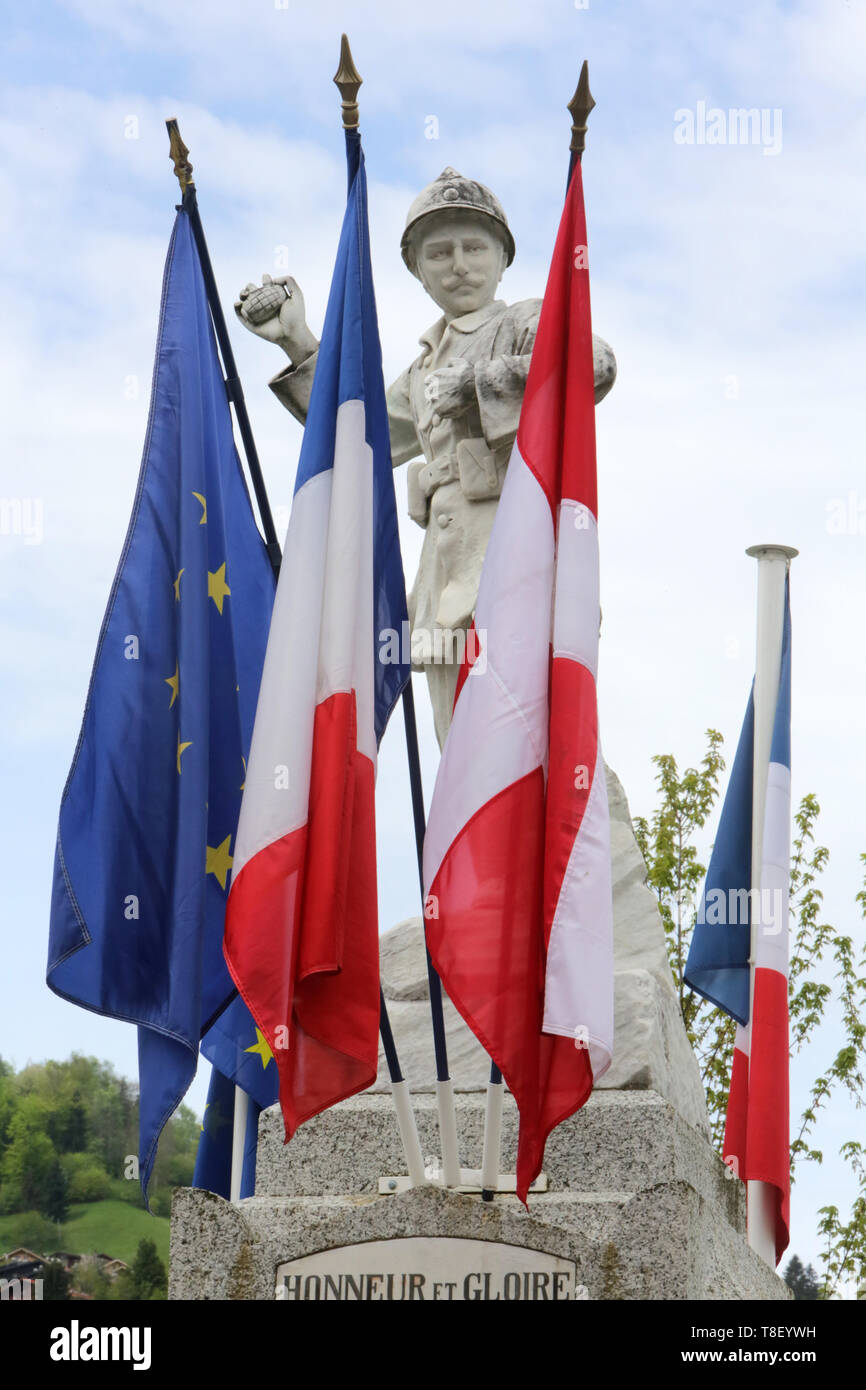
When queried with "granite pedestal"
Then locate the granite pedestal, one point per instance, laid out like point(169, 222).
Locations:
point(637, 1206)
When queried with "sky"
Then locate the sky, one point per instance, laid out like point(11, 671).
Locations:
point(727, 274)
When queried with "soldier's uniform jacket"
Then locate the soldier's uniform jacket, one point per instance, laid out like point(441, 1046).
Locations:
point(454, 486)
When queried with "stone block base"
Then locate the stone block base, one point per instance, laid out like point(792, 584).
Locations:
point(638, 1205)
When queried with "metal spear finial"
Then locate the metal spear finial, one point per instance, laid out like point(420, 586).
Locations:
point(178, 152)
point(580, 106)
point(348, 81)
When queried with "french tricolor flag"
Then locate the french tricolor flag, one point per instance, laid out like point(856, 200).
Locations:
point(301, 934)
point(738, 958)
point(517, 852)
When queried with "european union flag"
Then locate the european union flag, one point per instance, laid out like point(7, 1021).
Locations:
point(148, 816)
point(240, 1056)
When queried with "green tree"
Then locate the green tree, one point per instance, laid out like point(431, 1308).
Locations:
point(7, 1102)
point(148, 1275)
point(803, 1282)
point(74, 1138)
point(844, 1252)
point(27, 1161)
point(55, 1282)
point(87, 1179)
point(673, 869)
point(89, 1278)
point(160, 1202)
point(80, 1111)
point(55, 1194)
point(121, 1289)
point(33, 1231)
point(675, 874)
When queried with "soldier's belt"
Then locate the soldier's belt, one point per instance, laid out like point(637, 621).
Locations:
point(472, 464)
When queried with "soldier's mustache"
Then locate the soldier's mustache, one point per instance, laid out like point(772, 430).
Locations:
point(456, 281)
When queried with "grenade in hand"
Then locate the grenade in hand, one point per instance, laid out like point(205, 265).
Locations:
point(264, 303)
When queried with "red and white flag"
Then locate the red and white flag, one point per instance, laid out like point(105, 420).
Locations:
point(517, 853)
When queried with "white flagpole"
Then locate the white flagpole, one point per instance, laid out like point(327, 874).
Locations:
point(490, 1158)
point(773, 562)
point(239, 1137)
point(409, 1133)
point(406, 1122)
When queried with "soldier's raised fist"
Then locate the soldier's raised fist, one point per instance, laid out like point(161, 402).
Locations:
point(275, 311)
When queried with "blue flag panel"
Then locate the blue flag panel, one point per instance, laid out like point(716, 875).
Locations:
point(150, 807)
point(718, 962)
point(240, 1056)
point(349, 368)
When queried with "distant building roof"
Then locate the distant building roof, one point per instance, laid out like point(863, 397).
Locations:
point(25, 1270)
point(22, 1254)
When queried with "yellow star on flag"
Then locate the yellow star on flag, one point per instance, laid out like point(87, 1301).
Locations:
point(218, 861)
point(181, 748)
point(217, 588)
point(261, 1047)
point(177, 586)
point(200, 498)
point(174, 682)
point(244, 782)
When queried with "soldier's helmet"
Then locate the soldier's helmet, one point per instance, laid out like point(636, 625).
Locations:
point(451, 190)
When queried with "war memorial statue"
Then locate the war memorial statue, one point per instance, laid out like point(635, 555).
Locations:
point(453, 413)
point(635, 1203)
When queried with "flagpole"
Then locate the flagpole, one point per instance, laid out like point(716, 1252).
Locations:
point(239, 1142)
point(348, 82)
point(178, 152)
point(579, 107)
point(773, 565)
point(402, 1100)
point(491, 1153)
point(444, 1085)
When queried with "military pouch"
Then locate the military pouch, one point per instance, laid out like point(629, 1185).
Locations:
point(419, 503)
point(476, 466)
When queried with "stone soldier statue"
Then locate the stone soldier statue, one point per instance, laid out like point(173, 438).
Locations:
point(453, 418)
point(453, 413)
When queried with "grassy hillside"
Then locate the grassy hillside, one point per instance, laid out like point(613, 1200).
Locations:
point(110, 1226)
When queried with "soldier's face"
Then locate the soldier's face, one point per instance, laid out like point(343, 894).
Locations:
point(460, 263)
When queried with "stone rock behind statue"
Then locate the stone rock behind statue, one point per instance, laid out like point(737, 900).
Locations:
point(651, 1050)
